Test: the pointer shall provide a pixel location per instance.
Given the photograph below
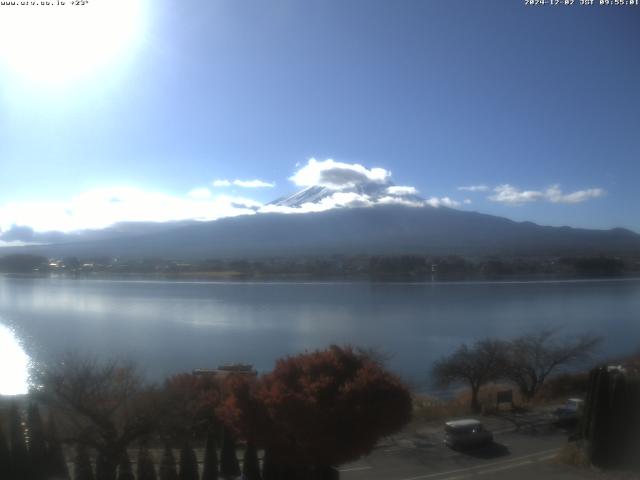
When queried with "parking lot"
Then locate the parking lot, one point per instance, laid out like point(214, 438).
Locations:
point(525, 447)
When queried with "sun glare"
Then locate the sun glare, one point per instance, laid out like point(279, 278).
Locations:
point(14, 369)
point(59, 41)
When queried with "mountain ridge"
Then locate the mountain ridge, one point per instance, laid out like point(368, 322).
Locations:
point(382, 229)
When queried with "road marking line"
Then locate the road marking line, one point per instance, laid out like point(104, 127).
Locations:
point(355, 469)
point(475, 473)
point(476, 468)
point(509, 466)
point(505, 467)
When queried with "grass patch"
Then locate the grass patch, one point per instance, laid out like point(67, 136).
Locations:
point(575, 455)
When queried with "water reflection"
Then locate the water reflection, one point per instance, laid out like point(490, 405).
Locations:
point(171, 327)
point(14, 364)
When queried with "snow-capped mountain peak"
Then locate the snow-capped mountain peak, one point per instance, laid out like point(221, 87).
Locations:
point(373, 192)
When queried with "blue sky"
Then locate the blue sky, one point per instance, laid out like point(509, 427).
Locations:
point(544, 100)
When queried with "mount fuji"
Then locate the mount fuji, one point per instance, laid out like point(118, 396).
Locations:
point(369, 192)
point(378, 219)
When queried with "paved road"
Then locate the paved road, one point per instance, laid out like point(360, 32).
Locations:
point(422, 456)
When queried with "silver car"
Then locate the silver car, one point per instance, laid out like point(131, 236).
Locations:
point(466, 433)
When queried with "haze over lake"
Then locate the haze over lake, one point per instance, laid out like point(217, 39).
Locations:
point(170, 327)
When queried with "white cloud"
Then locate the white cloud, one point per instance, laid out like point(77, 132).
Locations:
point(354, 200)
point(243, 183)
point(200, 193)
point(221, 183)
point(100, 208)
point(243, 202)
point(253, 184)
point(270, 208)
point(400, 201)
point(511, 195)
point(402, 190)
point(467, 201)
point(554, 194)
point(442, 202)
point(337, 175)
point(474, 188)
point(341, 177)
point(336, 200)
point(346, 199)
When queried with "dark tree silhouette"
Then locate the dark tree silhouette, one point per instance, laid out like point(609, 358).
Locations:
point(19, 460)
point(56, 462)
point(168, 469)
point(146, 470)
point(20, 263)
point(327, 473)
point(269, 470)
point(103, 469)
point(37, 443)
point(82, 464)
point(533, 357)
point(106, 406)
point(477, 365)
point(210, 470)
point(610, 424)
point(191, 401)
point(229, 466)
point(188, 463)
point(320, 409)
point(125, 472)
point(250, 464)
point(5, 454)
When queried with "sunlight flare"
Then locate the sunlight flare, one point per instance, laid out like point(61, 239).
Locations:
point(14, 370)
point(57, 42)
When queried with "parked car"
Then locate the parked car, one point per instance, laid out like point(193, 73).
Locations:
point(570, 412)
point(466, 433)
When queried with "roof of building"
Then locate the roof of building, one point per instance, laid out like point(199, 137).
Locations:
point(227, 369)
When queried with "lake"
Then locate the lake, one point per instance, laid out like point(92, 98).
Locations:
point(171, 327)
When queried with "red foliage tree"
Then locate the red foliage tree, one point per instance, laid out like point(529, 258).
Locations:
point(243, 409)
point(192, 400)
point(318, 409)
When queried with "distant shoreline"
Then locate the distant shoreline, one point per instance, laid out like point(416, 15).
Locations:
point(236, 278)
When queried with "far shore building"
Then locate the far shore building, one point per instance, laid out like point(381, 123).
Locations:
point(226, 370)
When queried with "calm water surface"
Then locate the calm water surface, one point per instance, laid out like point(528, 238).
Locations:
point(170, 327)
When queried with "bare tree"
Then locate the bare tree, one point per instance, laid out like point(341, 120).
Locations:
point(533, 357)
point(477, 365)
point(105, 405)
